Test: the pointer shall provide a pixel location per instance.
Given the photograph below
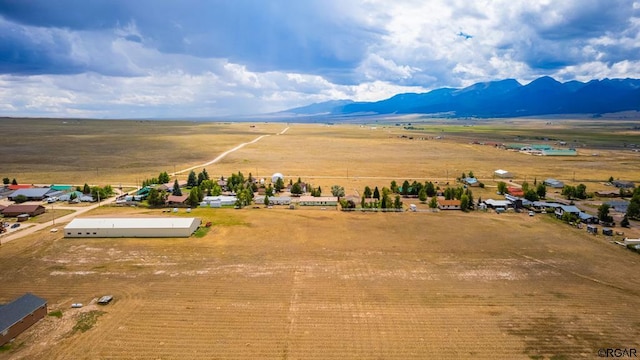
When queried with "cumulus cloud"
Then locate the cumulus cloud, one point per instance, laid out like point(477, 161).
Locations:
point(147, 58)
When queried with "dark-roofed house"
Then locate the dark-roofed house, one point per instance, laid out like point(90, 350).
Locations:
point(177, 200)
point(562, 209)
point(19, 209)
point(18, 315)
point(32, 193)
point(554, 183)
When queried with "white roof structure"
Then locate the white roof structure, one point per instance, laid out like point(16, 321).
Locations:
point(497, 203)
point(132, 227)
point(503, 173)
point(275, 177)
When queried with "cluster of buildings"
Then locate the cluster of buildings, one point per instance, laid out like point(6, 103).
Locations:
point(28, 199)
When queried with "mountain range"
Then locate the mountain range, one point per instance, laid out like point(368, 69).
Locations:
point(504, 98)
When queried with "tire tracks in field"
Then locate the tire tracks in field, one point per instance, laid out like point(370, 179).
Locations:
point(293, 311)
point(585, 277)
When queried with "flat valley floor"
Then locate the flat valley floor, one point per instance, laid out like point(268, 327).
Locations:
point(322, 284)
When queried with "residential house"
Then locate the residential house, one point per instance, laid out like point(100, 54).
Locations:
point(449, 204)
point(471, 181)
point(318, 201)
point(562, 209)
point(608, 194)
point(273, 200)
point(19, 209)
point(494, 204)
point(177, 200)
point(76, 196)
point(621, 184)
point(554, 183)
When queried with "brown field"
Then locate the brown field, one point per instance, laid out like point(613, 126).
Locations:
point(322, 284)
point(313, 284)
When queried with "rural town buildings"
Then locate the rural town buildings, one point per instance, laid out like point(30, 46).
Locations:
point(18, 315)
point(131, 227)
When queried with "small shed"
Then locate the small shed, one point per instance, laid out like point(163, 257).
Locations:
point(592, 229)
point(18, 315)
point(607, 231)
point(504, 174)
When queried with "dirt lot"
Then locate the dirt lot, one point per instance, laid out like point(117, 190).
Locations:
point(305, 284)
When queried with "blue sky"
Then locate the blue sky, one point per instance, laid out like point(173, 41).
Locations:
point(198, 58)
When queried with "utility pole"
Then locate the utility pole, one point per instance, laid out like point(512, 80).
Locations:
point(53, 212)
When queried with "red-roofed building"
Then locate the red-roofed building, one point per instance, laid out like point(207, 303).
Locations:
point(515, 191)
point(449, 204)
point(19, 186)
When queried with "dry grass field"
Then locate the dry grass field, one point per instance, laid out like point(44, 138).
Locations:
point(313, 284)
point(322, 284)
point(49, 151)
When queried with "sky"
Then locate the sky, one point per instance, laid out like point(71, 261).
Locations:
point(213, 58)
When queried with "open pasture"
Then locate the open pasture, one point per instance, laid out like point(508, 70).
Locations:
point(126, 152)
point(313, 284)
point(45, 151)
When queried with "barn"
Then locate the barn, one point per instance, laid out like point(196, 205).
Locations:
point(18, 315)
point(131, 227)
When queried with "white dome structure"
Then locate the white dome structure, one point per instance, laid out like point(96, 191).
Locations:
point(275, 177)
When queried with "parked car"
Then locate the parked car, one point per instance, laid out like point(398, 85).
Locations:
point(15, 225)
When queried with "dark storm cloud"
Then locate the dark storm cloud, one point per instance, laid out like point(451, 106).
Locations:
point(310, 36)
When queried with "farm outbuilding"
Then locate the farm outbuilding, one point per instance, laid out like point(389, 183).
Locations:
point(18, 315)
point(131, 227)
point(503, 174)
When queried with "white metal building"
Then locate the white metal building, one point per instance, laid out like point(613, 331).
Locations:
point(503, 174)
point(131, 227)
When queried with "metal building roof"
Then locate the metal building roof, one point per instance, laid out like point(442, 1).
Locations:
point(130, 223)
point(18, 309)
point(31, 192)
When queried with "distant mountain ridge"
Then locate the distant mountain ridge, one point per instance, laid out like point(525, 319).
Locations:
point(503, 98)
